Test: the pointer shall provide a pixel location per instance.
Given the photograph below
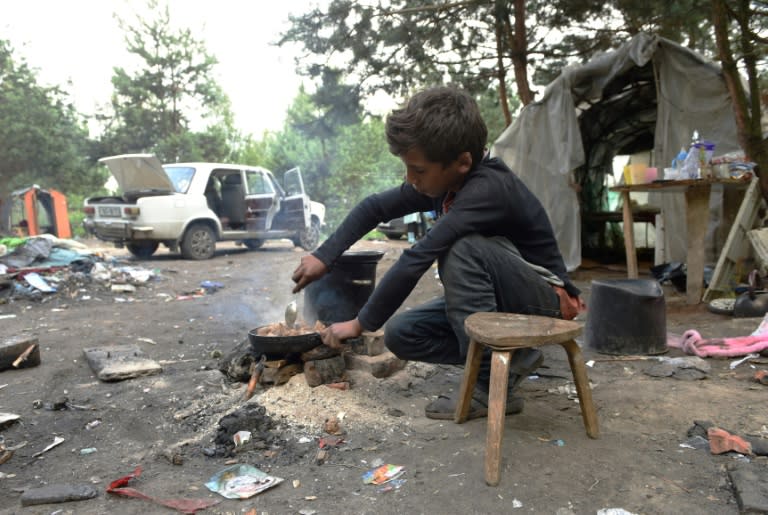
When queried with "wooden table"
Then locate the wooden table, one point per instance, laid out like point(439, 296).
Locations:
point(696, 193)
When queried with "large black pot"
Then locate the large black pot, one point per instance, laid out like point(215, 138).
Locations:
point(339, 294)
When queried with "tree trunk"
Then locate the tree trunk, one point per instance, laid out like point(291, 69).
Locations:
point(746, 110)
point(501, 72)
point(518, 44)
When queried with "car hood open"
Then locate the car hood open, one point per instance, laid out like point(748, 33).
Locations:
point(138, 172)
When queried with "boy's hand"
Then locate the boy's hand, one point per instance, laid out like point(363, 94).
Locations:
point(310, 269)
point(334, 335)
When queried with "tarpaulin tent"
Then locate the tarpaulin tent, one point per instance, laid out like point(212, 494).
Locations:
point(649, 94)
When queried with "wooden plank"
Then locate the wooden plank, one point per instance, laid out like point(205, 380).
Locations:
point(629, 235)
point(696, 221)
point(736, 249)
point(497, 410)
point(468, 380)
point(759, 240)
point(13, 348)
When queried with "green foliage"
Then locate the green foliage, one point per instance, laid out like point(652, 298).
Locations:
point(362, 165)
point(43, 139)
point(154, 107)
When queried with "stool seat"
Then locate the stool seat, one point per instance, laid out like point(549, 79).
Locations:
point(503, 333)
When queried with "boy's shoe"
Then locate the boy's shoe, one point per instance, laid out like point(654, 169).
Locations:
point(444, 407)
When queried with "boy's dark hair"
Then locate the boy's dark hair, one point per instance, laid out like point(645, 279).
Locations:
point(442, 122)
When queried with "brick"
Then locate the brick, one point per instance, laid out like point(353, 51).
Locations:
point(370, 343)
point(383, 365)
point(324, 371)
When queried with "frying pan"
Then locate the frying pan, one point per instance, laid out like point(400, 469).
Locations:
point(282, 345)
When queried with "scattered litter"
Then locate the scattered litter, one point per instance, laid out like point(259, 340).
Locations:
point(241, 437)
point(147, 340)
point(93, 424)
point(614, 511)
point(330, 441)
point(57, 440)
point(6, 418)
point(762, 328)
point(686, 368)
point(190, 295)
point(241, 482)
point(590, 363)
point(721, 441)
point(761, 376)
point(568, 389)
point(738, 362)
point(211, 286)
point(516, 503)
point(695, 442)
point(87, 451)
point(393, 484)
point(119, 487)
point(3, 317)
point(123, 288)
point(383, 474)
point(36, 281)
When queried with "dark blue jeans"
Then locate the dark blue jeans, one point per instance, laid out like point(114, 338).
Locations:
point(478, 274)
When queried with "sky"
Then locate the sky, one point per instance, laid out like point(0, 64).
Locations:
point(80, 41)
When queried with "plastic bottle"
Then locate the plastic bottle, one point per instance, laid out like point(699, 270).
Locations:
point(677, 164)
point(690, 166)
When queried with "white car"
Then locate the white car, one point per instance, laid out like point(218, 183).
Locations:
point(191, 206)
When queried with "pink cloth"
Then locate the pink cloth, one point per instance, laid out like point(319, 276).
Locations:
point(692, 343)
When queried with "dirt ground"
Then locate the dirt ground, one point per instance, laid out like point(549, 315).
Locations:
point(168, 423)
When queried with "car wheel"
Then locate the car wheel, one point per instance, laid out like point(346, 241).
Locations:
point(198, 242)
point(253, 243)
point(142, 249)
point(393, 236)
point(309, 237)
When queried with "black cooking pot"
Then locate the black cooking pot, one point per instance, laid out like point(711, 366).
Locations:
point(281, 346)
point(754, 301)
point(339, 294)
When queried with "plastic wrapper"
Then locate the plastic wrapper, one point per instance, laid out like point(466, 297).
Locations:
point(241, 482)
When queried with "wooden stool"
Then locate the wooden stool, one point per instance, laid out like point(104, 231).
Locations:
point(503, 333)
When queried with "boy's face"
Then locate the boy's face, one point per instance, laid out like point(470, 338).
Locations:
point(435, 179)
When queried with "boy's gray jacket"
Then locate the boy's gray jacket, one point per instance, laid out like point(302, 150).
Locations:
point(492, 202)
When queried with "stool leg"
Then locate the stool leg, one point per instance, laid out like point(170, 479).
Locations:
point(468, 380)
point(497, 404)
point(588, 412)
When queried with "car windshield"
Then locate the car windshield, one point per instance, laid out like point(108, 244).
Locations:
point(181, 177)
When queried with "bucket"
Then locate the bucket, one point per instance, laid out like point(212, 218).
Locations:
point(340, 294)
point(626, 317)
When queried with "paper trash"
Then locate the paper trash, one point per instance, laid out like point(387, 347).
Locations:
point(241, 482)
point(383, 474)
